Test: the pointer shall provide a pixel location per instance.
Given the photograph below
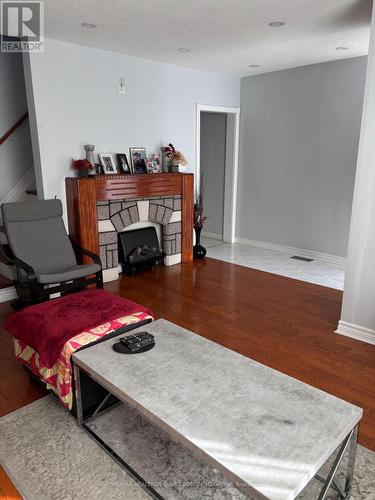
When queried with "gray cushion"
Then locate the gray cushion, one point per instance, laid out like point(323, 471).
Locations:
point(70, 273)
point(36, 234)
point(28, 211)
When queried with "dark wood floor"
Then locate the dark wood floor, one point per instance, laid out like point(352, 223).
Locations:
point(283, 323)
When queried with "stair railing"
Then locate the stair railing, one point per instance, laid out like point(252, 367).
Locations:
point(12, 129)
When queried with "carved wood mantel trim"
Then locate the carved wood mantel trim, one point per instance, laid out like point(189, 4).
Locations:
point(83, 193)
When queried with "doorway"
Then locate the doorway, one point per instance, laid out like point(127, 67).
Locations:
point(217, 168)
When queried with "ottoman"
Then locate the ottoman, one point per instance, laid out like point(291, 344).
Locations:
point(47, 334)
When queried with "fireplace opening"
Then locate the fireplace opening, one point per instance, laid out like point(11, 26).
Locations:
point(139, 249)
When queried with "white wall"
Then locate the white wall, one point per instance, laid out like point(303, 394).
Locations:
point(15, 153)
point(299, 141)
point(358, 308)
point(75, 90)
point(213, 151)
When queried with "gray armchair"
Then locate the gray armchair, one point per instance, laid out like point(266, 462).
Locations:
point(43, 252)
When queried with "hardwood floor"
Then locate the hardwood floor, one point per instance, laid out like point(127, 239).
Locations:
point(283, 323)
point(7, 490)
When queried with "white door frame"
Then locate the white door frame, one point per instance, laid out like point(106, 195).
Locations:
point(231, 164)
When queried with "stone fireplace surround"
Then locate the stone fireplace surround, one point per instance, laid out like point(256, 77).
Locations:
point(99, 207)
point(116, 216)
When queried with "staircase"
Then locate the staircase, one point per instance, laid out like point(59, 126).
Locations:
point(7, 269)
point(24, 190)
point(8, 273)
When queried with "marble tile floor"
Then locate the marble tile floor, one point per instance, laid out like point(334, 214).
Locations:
point(317, 272)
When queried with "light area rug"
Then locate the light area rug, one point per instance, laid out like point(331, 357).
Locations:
point(48, 457)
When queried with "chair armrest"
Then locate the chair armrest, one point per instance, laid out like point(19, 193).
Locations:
point(31, 274)
point(83, 251)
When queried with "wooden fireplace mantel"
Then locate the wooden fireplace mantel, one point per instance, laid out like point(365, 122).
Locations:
point(82, 194)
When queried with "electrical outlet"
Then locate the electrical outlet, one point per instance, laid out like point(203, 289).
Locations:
point(121, 86)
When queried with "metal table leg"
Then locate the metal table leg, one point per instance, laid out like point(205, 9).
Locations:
point(349, 442)
point(82, 424)
point(351, 461)
point(78, 391)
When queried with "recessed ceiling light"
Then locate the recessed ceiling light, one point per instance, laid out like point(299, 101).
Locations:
point(89, 26)
point(341, 48)
point(184, 49)
point(276, 24)
point(253, 65)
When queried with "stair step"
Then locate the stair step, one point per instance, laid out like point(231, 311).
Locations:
point(3, 238)
point(32, 191)
point(7, 268)
point(5, 260)
point(6, 282)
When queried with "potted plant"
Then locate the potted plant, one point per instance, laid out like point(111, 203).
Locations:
point(199, 252)
point(82, 167)
point(176, 158)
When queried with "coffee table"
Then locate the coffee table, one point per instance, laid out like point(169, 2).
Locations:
point(266, 432)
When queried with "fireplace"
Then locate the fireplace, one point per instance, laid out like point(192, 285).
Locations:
point(115, 216)
point(99, 208)
point(139, 249)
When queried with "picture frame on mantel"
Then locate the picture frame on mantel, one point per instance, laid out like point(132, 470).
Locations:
point(123, 164)
point(138, 160)
point(108, 163)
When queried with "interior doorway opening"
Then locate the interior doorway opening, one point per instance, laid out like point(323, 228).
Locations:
point(217, 168)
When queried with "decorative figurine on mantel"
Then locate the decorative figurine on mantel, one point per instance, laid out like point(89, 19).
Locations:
point(177, 159)
point(89, 148)
point(199, 252)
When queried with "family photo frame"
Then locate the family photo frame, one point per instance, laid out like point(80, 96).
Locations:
point(138, 160)
point(108, 163)
point(123, 164)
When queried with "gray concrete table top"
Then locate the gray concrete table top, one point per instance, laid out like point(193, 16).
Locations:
point(263, 430)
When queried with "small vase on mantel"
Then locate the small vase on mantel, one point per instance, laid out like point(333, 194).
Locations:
point(89, 148)
point(199, 252)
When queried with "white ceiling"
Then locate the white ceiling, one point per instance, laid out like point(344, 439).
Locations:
point(224, 36)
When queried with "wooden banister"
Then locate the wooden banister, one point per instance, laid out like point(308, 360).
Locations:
point(15, 127)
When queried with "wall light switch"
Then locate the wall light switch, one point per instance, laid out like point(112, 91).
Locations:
point(121, 86)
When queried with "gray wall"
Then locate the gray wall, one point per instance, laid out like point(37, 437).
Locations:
point(213, 141)
point(16, 153)
point(75, 91)
point(299, 141)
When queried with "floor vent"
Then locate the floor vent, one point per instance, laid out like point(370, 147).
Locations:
point(305, 259)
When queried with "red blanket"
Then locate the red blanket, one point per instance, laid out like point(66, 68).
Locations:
point(47, 326)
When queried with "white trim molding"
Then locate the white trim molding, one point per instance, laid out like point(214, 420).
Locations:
point(7, 294)
point(213, 236)
point(20, 188)
point(8, 270)
point(309, 254)
point(356, 332)
point(231, 164)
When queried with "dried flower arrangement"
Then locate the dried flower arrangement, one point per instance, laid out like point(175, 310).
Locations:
point(176, 157)
point(199, 216)
point(81, 165)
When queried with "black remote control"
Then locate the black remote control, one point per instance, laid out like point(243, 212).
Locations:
point(133, 344)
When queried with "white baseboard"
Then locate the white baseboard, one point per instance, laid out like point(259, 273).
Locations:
point(356, 332)
point(213, 236)
point(7, 294)
point(111, 274)
point(309, 254)
point(19, 191)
